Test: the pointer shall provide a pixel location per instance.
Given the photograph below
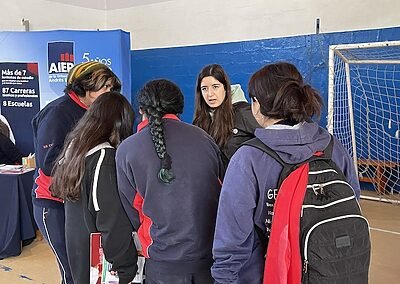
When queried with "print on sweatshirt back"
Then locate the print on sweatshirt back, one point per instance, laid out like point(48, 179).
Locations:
point(318, 234)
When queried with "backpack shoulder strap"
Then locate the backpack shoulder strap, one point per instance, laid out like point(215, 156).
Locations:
point(256, 143)
point(286, 168)
point(326, 153)
point(329, 149)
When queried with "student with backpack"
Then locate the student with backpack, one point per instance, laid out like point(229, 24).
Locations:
point(283, 105)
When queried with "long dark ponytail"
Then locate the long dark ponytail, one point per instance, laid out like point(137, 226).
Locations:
point(157, 98)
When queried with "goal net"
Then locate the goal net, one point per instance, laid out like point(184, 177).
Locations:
point(364, 112)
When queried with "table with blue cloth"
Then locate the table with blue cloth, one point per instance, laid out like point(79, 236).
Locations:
point(17, 224)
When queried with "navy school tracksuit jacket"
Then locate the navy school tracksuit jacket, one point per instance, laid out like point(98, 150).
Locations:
point(50, 128)
point(175, 222)
point(249, 191)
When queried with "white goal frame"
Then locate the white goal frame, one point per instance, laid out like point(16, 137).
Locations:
point(338, 50)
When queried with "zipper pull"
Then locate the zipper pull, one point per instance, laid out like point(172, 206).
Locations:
point(305, 266)
point(315, 188)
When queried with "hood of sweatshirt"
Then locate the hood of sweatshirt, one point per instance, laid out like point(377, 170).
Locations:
point(294, 144)
point(237, 94)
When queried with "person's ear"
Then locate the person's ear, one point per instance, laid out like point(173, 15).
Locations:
point(143, 114)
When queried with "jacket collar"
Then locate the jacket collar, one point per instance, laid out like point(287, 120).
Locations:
point(145, 122)
point(76, 99)
point(98, 147)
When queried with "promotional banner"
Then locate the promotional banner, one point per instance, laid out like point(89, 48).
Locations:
point(34, 67)
point(20, 98)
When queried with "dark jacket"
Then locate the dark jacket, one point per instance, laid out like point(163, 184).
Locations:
point(249, 192)
point(9, 153)
point(244, 126)
point(50, 128)
point(99, 209)
point(176, 221)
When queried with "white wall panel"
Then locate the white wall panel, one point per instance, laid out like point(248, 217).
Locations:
point(191, 22)
point(47, 15)
point(163, 23)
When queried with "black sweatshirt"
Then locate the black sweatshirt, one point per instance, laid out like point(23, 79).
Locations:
point(9, 153)
point(99, 209)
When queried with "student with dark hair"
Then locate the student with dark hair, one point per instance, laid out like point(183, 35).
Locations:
point(85, 177)
point(283, 105)
point(85, 82)
point(9, 153)
point(222, 110)
point(169, 177)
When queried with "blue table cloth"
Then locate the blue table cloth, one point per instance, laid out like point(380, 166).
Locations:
point(16, 215)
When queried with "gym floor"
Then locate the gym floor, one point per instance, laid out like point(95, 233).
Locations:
point(37, 264)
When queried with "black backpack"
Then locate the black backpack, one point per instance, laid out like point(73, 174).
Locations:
point(334, 239)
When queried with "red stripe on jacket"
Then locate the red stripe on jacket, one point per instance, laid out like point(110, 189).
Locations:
point(145, 224)
point(43, 187)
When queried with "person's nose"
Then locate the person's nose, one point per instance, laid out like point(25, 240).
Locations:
point(210, 93)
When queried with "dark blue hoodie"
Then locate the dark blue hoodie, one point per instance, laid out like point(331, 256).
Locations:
point(175, 222)
point(249, 191)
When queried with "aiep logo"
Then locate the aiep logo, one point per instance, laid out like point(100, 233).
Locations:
point(60, 56)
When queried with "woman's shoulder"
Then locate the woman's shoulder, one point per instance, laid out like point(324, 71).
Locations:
point(241, 107)
point(103, 153)
point(244, 118)
point(242, 110)
point(97, 148)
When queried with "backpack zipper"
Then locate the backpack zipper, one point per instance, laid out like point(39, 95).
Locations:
point(320, 186)
point(325, 205)
point(305, 266)
point(305, 262)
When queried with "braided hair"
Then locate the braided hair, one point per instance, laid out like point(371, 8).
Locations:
point(156, 99)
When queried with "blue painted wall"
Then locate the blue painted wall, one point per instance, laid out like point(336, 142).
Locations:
point(241, 59)
point(309, 53)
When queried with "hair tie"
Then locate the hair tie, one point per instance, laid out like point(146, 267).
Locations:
point(166, 162)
